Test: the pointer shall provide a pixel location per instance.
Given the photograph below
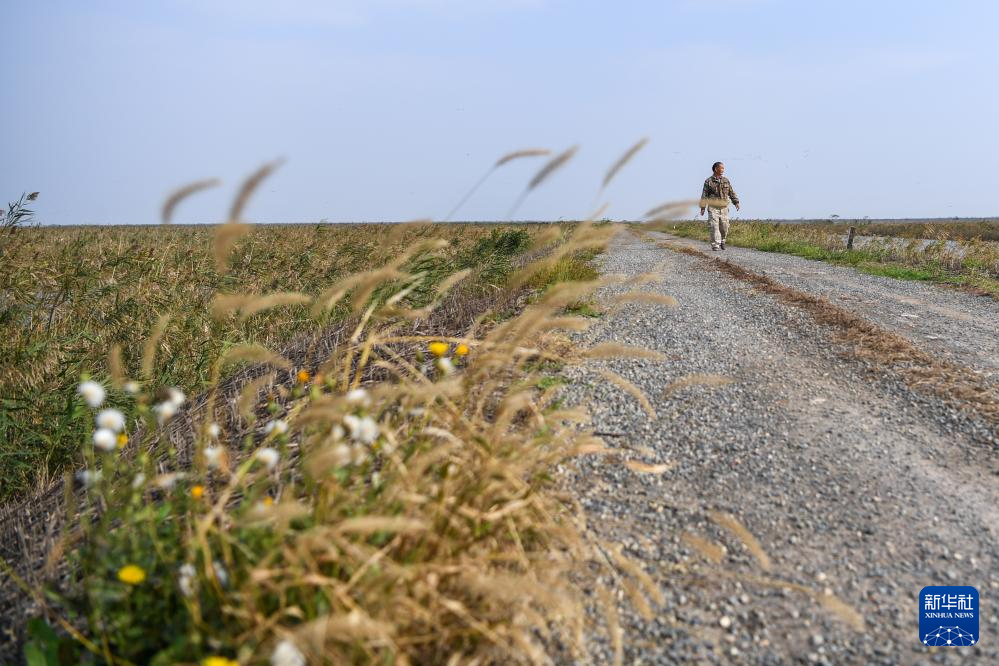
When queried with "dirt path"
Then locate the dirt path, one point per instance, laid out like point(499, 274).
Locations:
point(853, 483)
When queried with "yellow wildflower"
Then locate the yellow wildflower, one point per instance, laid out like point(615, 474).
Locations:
point(131, 574)
point(219, 661)
point(197, 492)
point(122, 440)
point(438, 349)
point(268, 500)
point(303, 376)
point(461, 350)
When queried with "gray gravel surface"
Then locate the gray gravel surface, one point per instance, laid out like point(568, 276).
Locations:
point(852, 483)
point(960, 326)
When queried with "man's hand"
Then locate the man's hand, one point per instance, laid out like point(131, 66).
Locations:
point(702, 212)
point(737, 206)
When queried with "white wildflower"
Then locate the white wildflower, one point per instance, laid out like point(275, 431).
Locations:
point(338, 432)
point(112, 419)
point(186, 579)
point(169, 480)
point(92, 393)
point(445, 365)
point(88, 477)
point(213, 456)
point(286, 654)
point(279, 426)
point(176, 397)
point(164, 411)
point(105, 440)
point(358, 396)
point(214, 430)
point(376, 480)
point(362, 429)
point(220, 573)
point(269, 457)
point(132, 387)
point(368, 431)
point(138, 480)
point(341, 455)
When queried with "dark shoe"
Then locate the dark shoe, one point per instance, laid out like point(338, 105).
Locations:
point(723, 245)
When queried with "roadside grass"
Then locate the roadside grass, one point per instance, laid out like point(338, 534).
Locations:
point(68, 295)
point(972, 264)
point(987, 230)
point(332, 515)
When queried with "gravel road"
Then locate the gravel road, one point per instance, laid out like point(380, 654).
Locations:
point(854, 485)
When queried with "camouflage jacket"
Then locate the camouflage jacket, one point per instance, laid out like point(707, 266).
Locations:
point(718, 189)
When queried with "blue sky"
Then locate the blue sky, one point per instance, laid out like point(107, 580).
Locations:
point(391, 109)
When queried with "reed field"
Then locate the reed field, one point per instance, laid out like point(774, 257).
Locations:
point(943, 253)
point(71, 294)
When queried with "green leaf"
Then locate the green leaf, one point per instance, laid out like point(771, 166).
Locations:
point(42, 648)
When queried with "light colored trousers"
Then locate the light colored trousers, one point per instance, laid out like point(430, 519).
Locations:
point(718, 219)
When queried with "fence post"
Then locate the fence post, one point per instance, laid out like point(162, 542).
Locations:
point(849, 239)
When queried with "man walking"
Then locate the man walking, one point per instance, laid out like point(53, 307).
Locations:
point(714, 197)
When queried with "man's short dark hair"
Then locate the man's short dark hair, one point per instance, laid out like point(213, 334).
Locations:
point(715, 165)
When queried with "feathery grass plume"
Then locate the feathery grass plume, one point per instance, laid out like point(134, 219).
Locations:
point(225, 238)
point(636, 571)
point(714, 203)
point(248, 187)
point(839, 608)
point(631, 389)
point(593, 446)
point(116, 366)
point(152, 344)
point(623, 160)
point(566, 323)
point(646, 297)
point(830, 602)
point(669, 211)
point(249, 304)
point(333, 295)
point(515, 155)
point(729, 522)
point(618, 350)
point(182, 193)
point(613, 623)
point(370, 282)
point(701, 379)
point(709, 549)
point(512, 404)
point(248, 395)
point(518, 154)
point(649, 468)
point(550, 167)
point(373, 524)
point(254, 354)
